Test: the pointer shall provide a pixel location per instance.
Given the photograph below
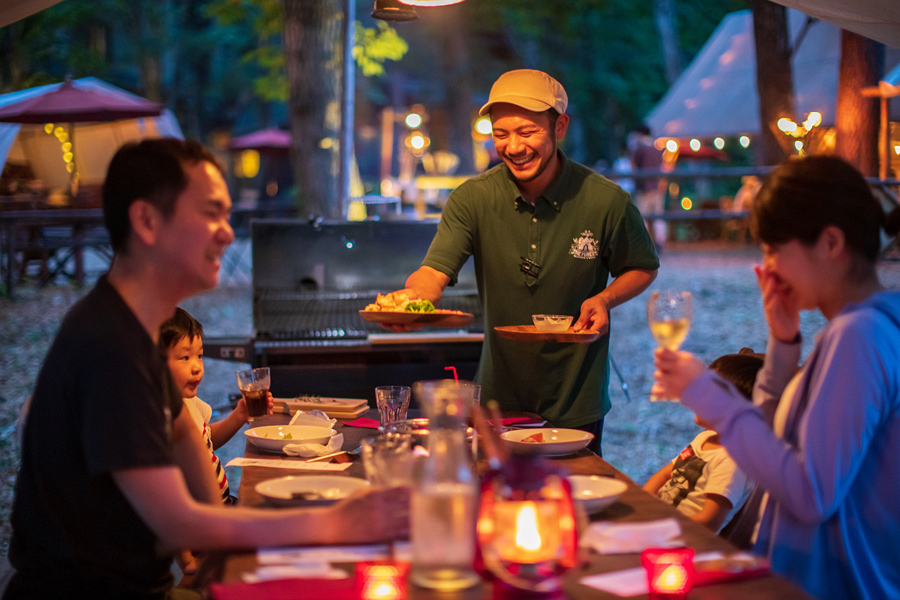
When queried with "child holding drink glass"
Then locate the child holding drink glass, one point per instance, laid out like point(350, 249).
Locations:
point(181, 337)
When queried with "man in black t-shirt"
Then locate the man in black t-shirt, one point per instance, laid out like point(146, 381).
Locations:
point(114, 475)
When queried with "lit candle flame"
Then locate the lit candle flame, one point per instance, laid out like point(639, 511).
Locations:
point(527, 536)
point(671, 579)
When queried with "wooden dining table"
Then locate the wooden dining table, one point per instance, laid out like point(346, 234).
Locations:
point(633, 506)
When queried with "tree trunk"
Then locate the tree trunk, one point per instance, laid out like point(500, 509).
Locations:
point(313, 66)
point(667, 25)
point(459, 88)
point(856, 121)
point(774, 80)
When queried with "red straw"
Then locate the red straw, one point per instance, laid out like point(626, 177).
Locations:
point(455, 376)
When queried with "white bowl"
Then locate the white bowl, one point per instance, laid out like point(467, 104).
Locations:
point(308, 489)
point(594, 492)
point(275, 437)
point(553, 442)
point(551, 323)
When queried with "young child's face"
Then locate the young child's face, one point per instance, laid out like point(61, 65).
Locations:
point(186, 364)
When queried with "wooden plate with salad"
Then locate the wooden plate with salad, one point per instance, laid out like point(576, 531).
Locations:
point(397, 309)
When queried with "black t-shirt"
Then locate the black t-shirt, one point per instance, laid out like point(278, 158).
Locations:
point(104, 401)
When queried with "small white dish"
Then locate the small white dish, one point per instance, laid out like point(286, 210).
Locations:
point(548, 441)
point(308, 489)
point(274, 438)
point(594, 492)
point(551, 323)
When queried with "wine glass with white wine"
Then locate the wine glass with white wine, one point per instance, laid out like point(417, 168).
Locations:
point(669, 314)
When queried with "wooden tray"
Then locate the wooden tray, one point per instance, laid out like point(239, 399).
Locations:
point(433, 319)
point(529, 333)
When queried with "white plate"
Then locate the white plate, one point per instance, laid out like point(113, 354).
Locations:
point(308, 489)
point(556, 442)
point(275, 437)
point(595, 492)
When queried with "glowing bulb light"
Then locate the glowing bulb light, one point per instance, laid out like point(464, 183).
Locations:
point(483, 126)
point(413, 120)
point(719, 143)
point(744, 141)
point(695, 145)
point(672, 146)
point(428, 3)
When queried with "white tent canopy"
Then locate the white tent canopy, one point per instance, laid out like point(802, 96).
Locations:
point(875, 19)
point(716, 95)
point(95, 143)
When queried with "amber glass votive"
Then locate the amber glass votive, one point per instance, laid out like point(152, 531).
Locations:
point(670, 572)
point(381, 580)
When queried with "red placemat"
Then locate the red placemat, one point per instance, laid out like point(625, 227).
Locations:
point(517, 421)
point(364, 422)
point(287, 589)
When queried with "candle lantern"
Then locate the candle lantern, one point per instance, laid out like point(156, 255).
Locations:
point(526, 525)
point(670, 572)
point(381, 580)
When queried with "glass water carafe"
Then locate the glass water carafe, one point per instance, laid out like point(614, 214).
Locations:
point(444, 497)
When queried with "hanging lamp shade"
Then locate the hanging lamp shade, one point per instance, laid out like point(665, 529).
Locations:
point(393, 10)
point(430, 3)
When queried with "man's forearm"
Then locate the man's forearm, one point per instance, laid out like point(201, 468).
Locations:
point(192, 457)
point(427, 283)
point(626, 286)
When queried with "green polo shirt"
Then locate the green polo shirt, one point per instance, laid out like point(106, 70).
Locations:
point(583, 229)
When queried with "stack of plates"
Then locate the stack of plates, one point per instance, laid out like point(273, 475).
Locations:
point(336, 408)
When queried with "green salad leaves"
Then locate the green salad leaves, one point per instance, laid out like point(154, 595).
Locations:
point(420, 306)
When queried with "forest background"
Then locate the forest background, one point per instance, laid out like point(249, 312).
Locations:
point(228, 67)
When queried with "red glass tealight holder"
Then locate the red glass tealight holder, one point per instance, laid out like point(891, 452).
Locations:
point(381, 580)
point(670, 572)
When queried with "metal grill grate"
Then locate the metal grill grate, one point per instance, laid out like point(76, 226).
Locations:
point(292, 315)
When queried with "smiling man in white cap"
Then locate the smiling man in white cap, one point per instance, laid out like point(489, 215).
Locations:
point(546, 234)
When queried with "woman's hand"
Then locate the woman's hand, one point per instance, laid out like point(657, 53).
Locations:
point(780, 305)
point(674, 372)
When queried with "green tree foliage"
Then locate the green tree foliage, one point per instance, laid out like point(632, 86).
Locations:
point(375, 46)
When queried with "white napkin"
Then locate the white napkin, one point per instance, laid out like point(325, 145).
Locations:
point(632, 582)
point(313, 418)
point(625, 538)
point(310, 450)
point(317, 570)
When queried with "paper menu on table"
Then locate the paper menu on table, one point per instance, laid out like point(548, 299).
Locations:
point(332, 554)
point(297, 465)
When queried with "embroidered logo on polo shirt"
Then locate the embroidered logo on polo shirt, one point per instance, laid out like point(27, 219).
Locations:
point(585, 246)
point(686, 453)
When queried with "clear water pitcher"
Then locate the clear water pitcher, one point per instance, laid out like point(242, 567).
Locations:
point(444, 497)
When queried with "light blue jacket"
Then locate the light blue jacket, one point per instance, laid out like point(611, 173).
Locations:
point(832, 522)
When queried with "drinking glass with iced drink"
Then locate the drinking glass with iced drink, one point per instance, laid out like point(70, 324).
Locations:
point(254, 385)
point(669, 314)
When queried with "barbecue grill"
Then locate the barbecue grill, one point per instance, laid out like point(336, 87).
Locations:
point(311, 279)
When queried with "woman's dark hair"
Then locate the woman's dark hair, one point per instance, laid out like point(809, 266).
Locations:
point(739, 369)
point(153, 170)
point(181, 325)
point(802, 197)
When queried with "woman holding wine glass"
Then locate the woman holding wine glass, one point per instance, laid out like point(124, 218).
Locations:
point(823, 443)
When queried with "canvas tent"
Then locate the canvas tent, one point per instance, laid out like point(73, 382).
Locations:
point(96, 142)
point(875, 19)
point(716, 95)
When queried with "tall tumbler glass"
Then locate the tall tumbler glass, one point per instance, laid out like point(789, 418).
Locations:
point(393, 402)
point(254, 385)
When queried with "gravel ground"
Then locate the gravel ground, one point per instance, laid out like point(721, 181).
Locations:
point(639, 435)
